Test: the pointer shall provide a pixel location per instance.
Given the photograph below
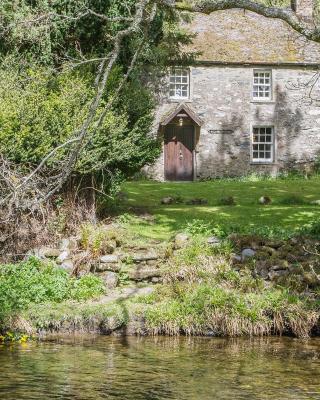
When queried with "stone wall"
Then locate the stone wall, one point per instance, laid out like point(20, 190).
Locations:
point(222, 97)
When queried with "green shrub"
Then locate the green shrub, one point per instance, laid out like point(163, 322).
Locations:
point(33, 282)
point(86, 287)
point(198, 227)
point(98, 238)
point(312, 229)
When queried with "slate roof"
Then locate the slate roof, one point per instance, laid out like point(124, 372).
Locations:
point(238, 36)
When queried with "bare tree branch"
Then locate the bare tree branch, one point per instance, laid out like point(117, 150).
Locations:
point(309, 30)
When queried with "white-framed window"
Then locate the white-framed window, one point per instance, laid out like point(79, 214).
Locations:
point(262, 144)
point(262, 85)
point(179, 83)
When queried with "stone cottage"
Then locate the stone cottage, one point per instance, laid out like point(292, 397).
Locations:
point(251, 102)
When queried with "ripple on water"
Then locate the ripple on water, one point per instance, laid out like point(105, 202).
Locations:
point(161, 369)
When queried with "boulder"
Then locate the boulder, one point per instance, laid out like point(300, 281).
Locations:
point(140, 274)
point(67, 265)
point(181, 240)
point(109, 259)
point(108, 263)
point(65, 255)
point(247, 253)
point(315, 202)
point(137, 258)
point(110, 279)
point(47, 252)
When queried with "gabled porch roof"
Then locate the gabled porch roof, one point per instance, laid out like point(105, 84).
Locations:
point(182, 107)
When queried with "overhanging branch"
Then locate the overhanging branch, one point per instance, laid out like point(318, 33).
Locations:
point(310, 31)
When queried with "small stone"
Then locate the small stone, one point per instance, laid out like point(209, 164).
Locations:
point(167, 200)
point(109, 259)
point(47, 252)
point(141, 274)
point(214, 241)
point(65, 255)
point(283, 265)
point(107, 266)
point(247, 253)
point(181, 240)
point(111, 280)
point(262, 269)
point(270, 250)
point(68, 244)
point(144, 257)
point(235, 259)
point(67, 265)
point(275, 275)
point(265, 200)
point(274, 244)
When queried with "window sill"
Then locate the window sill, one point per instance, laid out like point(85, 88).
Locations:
point(180, 100)
point(262, 101)
point(263, 163)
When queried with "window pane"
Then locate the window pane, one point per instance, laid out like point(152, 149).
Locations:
point(179, 83)
point(262, 144)
point(261, 84)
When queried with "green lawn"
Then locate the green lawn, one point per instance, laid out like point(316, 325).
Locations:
point(246, 213)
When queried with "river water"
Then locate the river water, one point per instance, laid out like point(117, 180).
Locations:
point(161, 368)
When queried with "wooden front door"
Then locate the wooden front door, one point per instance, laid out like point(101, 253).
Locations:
point(178, 152)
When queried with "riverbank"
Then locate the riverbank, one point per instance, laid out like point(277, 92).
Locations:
point(153, 269)
point(237, 286)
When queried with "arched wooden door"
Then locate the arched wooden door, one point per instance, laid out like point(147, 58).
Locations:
point(178, 152)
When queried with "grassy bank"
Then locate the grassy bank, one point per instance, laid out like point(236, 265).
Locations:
point(204, 289)
point(291, 205)
point(202, 293)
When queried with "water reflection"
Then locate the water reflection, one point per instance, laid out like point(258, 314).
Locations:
point(161, 368)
